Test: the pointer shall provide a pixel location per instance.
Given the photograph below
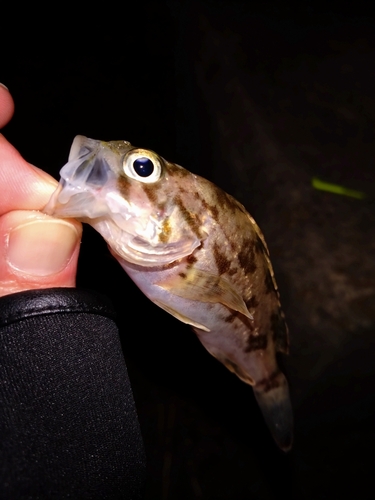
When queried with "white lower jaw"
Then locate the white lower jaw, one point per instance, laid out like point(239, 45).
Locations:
point(136, 250)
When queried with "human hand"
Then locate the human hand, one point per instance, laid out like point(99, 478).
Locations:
point(36, 250)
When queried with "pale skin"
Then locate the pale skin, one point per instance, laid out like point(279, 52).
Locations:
point(36, 251)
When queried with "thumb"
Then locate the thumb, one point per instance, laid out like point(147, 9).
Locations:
point(37, 251)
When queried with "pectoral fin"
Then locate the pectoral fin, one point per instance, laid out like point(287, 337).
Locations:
point(179, 316)
point(204, 286)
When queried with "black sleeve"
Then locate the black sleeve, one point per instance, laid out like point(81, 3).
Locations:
point(68, 423)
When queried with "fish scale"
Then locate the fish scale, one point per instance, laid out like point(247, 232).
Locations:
point(194, 251)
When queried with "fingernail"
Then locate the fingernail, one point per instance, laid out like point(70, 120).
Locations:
point(42, 247)
point(5, 87)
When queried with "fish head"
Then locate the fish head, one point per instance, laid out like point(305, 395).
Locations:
point(132, 197)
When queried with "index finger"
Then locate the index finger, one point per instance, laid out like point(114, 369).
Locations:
point(6, 105)
point(23, 186)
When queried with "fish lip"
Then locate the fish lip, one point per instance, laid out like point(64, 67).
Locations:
point(50, 208)
point(83, 178)
point(79, 143)
point(69, 201)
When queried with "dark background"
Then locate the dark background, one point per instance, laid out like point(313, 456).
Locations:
point(259, 98)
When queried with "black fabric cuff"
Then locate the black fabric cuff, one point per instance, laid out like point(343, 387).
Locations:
point(21, 305)
point(68, 423)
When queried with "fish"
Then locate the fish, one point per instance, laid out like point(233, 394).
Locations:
point(194, 251)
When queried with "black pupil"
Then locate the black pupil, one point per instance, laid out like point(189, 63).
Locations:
point(143, 167)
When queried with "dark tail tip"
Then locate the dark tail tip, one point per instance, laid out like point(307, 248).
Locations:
point(277, 412)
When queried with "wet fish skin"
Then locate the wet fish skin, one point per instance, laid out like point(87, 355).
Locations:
point(194, 251)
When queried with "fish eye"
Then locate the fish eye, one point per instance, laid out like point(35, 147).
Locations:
point(142, 165)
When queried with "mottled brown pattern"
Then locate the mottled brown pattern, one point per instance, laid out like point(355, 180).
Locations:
point(188, 216)
point(176, 169)
point(233, 246)
point(191, 259)
point(124, 184)
point(161, 205)
point(151, 191)
point(245, 321)
point(229, 270)
point(256, 342)
point(279, 331)
point(246, 256)
point(268, 282)
point(215, 212)
point(165, 232)
point(271, 382)
point(212, 209)
point(222, 263)
point(168, 266)
point(224, 200)
point(232, 271)
point(231, 317)
point(259, 246)
point(252, 302)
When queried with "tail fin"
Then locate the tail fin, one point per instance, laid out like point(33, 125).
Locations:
point(273, 398)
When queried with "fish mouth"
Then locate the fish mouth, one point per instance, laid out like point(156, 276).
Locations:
point(82, 179)
point(82, 145)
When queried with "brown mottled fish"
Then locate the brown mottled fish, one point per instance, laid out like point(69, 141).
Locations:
point(194, 251)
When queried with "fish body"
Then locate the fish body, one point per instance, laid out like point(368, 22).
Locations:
point(194, 251)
